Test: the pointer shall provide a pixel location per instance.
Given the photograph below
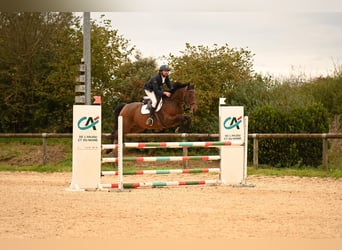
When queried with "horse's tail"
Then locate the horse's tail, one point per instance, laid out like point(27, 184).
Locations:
point(118, 108)
point(117, 111)
point(114, 133)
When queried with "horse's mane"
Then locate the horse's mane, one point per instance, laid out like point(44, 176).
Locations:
point(178, 85)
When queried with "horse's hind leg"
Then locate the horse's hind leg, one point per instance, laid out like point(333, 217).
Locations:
point(113, 140)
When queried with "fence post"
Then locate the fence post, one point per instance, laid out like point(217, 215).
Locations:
point(44, 135)
point(325, 152)
point(255, 151)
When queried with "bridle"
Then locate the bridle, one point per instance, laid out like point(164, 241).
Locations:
point(192, 103)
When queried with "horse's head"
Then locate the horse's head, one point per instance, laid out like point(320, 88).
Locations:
point(185, 93)
point(190, 97)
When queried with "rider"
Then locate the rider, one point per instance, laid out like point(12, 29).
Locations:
point(153, 89)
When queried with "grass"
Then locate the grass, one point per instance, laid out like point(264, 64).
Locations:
point(38, 168)
point(302, 172)
point(26, 155)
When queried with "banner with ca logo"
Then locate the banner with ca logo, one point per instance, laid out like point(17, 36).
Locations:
point(86, 151)
point(233, 129)
point(231, 123)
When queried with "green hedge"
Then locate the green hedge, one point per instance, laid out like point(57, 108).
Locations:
point(289, 152)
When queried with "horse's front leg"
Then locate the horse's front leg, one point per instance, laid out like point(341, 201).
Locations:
point(184, 123)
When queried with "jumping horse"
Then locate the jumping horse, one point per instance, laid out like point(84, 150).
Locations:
point(170, 115)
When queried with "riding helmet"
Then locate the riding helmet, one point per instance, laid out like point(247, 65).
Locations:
point(164, 67)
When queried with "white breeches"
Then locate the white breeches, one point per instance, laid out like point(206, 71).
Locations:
point(152, 96)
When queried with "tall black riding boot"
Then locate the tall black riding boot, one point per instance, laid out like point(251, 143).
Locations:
point(150, 119)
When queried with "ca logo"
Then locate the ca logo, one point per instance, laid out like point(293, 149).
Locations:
point(231, 123)
point(88, 122)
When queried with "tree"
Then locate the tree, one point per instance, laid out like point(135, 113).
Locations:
point(39, 58)
point(327, 91)
point(128, 85)
point(252, 93)
point(36, 70)
point(216, 72)
point(131, 77)
point(114, 76)
point(109, 51)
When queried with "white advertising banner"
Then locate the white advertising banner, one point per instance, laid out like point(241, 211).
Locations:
point(231, 123)
point(232, 128)
point(86, 151)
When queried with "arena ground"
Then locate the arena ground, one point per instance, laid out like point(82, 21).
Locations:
point(38, 206)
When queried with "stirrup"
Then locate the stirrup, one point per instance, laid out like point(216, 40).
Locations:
point(149, 121)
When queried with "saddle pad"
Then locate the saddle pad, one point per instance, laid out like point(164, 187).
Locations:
point(145, 111)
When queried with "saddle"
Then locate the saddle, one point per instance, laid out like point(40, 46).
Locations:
point(147, 102)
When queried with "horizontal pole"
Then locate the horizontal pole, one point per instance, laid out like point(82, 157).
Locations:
point(141, 145)
point(161, 184)
point(35, 135)
point(165, 171)
point(297, 136)
point(163, 158)
point(170, 135)
point(179, 144)
point(110, 146)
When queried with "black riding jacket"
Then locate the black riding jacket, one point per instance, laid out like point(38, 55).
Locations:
point(155, 84)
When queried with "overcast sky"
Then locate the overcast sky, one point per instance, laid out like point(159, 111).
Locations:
point(284, 43)
point(286, 36)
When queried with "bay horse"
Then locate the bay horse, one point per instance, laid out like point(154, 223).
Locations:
point(170, 115)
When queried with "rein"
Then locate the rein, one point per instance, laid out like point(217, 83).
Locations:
point(193, 103)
